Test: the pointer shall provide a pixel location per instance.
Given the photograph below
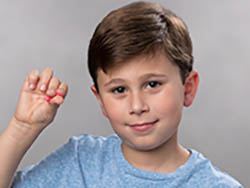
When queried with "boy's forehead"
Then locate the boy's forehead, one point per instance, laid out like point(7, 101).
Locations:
point(137, 66)
point(139, 60)
point(131, 63)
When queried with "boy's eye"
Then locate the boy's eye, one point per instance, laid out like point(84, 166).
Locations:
point(152, 84)
point(118, 90)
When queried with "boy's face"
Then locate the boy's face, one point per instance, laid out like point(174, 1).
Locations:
point(143, 100)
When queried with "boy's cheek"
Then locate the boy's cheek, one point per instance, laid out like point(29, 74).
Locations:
point(171, 109)
point(114, 110)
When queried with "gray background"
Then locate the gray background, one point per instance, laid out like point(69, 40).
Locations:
point(37, 34)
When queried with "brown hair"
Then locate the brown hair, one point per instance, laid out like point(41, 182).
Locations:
point(140, 28)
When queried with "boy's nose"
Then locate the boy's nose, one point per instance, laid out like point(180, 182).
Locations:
point(138, 104)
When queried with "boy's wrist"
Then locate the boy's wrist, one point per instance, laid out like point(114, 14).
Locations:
point(21, 132)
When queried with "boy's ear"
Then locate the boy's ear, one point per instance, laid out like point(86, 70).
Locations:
point(98, 97)
point(191, 86)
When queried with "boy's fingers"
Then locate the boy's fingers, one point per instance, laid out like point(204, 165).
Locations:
point(31, 80)
point(45, 77)
point(57, 100)
point(62, 90)
point(53, 85)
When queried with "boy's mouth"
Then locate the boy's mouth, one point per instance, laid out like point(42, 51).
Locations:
point(143, 126)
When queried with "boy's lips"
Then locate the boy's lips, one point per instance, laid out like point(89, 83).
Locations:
point(143, 126)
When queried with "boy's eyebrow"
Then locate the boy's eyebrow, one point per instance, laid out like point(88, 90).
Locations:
point(114, 81)
point(144, 77)
point(149, 75)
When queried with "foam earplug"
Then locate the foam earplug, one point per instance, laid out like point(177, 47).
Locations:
point(48, 98)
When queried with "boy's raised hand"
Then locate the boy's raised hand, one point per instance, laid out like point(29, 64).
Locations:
point(39, 99)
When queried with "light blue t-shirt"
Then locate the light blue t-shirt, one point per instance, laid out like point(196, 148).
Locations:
point(88, 161)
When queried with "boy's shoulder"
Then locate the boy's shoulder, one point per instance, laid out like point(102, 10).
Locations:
point(204, 172)
point(67, 165)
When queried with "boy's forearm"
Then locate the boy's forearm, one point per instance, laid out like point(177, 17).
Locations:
point(14, 142)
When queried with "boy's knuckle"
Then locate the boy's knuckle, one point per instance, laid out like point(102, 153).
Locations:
point(61, 90)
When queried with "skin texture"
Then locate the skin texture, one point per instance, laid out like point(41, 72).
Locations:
point(147, 92)
point(33, 114)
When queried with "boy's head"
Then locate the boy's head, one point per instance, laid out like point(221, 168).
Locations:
point(140, 28)
point(140, 59)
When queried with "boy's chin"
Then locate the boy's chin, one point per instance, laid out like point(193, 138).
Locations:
point(141, 147)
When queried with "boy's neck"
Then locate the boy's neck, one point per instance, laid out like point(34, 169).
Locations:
point(165, 159)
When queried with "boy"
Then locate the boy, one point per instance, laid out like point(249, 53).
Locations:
point(140, 60)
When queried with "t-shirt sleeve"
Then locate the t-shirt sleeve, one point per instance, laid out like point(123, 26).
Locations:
point(60, 169)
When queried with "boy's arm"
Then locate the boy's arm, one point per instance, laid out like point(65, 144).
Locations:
point(14, 142)
point(34, 112)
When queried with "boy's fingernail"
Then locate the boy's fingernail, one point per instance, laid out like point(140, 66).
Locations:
point(32, 86)
point(43, 87)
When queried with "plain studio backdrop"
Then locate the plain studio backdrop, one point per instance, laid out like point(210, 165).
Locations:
point(37, 34)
